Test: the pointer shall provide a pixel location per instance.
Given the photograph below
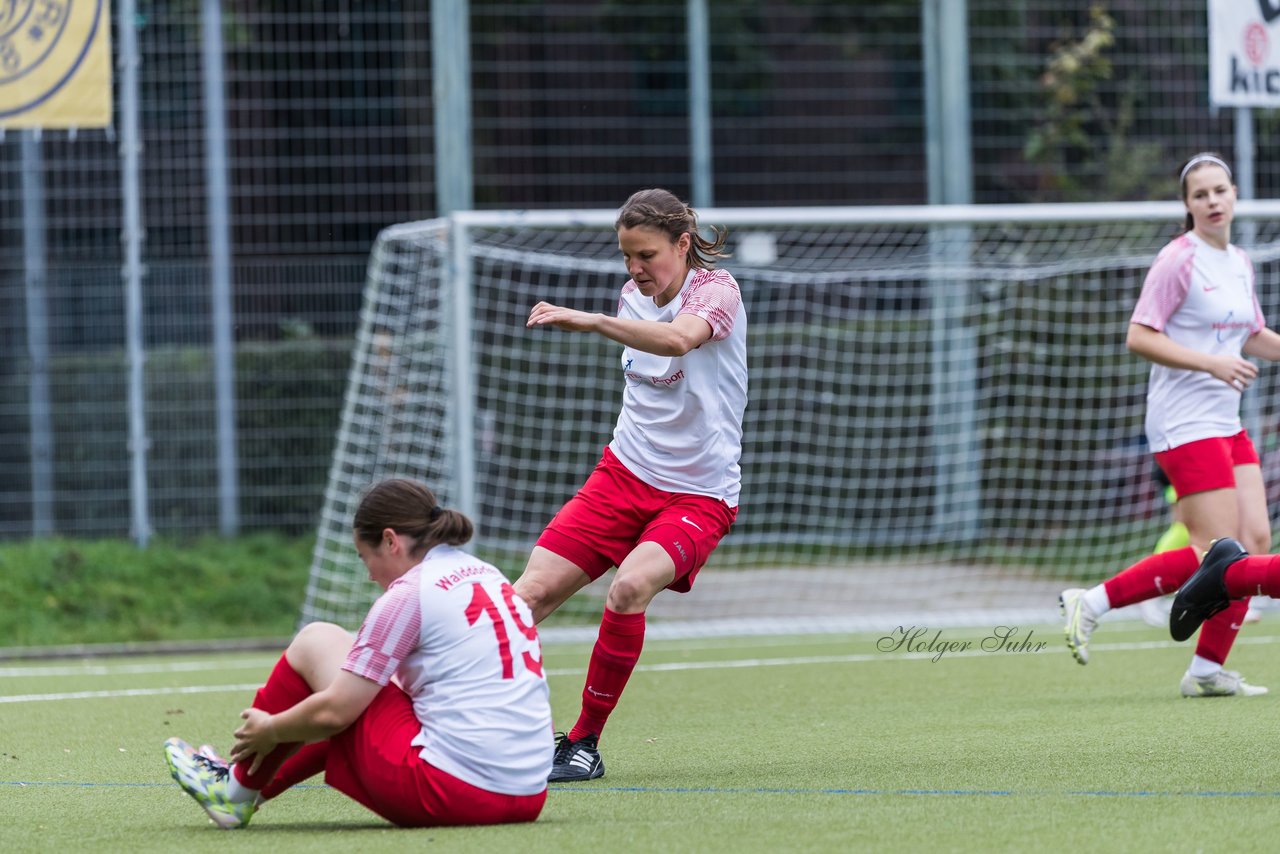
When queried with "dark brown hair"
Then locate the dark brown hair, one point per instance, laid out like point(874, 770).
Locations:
point(661, 209)
point(411, 510)
point(1194, 163)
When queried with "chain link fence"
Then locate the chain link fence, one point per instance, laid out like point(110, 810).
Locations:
point(576, 103)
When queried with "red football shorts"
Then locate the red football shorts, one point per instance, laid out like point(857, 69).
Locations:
point(375, 762)
point(1207, 463)
point(615, 511)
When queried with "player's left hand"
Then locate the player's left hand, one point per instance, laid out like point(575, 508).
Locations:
point(546, 314)
point(255, 738)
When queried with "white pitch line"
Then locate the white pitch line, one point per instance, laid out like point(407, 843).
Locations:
point(1052, 648)
point(129, 692)
point(129, 669)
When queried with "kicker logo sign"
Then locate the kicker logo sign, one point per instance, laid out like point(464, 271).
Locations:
point(1244, 53)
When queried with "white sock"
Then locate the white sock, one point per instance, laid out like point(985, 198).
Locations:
point(237, 792)
point(1202, 667)
point(1097, 600)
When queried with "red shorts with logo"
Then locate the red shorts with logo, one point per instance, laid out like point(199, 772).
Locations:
point(615, 511)
point(1207, 463)
point(375, 762)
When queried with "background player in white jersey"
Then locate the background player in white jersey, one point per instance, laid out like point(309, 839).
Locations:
point(1196, 319)
point(666, 488)
point(463, 733)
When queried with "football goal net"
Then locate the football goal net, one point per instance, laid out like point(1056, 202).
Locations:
point(943, 418)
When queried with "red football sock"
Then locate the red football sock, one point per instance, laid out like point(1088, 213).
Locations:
point(615, 655)
point(1219, 631)
point(306, 763)
point(1154, 575)
point(1256, 575)
point(285, 688)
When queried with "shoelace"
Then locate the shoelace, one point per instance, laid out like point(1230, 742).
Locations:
point(218, 769)
point(564, 747)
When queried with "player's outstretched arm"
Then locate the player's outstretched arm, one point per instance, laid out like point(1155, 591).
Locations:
point(663, 338)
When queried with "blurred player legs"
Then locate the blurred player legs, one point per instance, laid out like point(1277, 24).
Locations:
point(1155, 612)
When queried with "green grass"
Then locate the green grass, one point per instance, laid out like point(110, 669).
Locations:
point(62, 591)
point(821, 743)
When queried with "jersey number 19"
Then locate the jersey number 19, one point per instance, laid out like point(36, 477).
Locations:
point(482, 604)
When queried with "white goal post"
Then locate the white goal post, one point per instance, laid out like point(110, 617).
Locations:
point(941, 409)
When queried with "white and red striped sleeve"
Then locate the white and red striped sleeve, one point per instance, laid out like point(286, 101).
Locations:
point(1166, 285)
point(713, 295)
point(392, 629)
point(629, 288)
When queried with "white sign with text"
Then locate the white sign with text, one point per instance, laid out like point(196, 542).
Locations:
point(1244, 53)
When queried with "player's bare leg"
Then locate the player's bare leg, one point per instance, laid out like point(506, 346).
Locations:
point(643, 575)
point(548, 581)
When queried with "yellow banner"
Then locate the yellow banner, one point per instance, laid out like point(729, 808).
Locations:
point(55, 63)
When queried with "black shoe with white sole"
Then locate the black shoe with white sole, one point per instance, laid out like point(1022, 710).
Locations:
point(1205, 592)
point(576, 760)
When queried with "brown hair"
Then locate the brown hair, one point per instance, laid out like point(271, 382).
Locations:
point(411, 510)
point(1194, 163)
point(661, 209)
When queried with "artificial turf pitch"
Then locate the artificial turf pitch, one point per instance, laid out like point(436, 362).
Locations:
point(803, 743)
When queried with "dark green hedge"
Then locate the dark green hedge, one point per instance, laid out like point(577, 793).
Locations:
point(288, 403)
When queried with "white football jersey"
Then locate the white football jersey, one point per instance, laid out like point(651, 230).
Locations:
point(680, 429)
point(1203, 298)
point(463, 645)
